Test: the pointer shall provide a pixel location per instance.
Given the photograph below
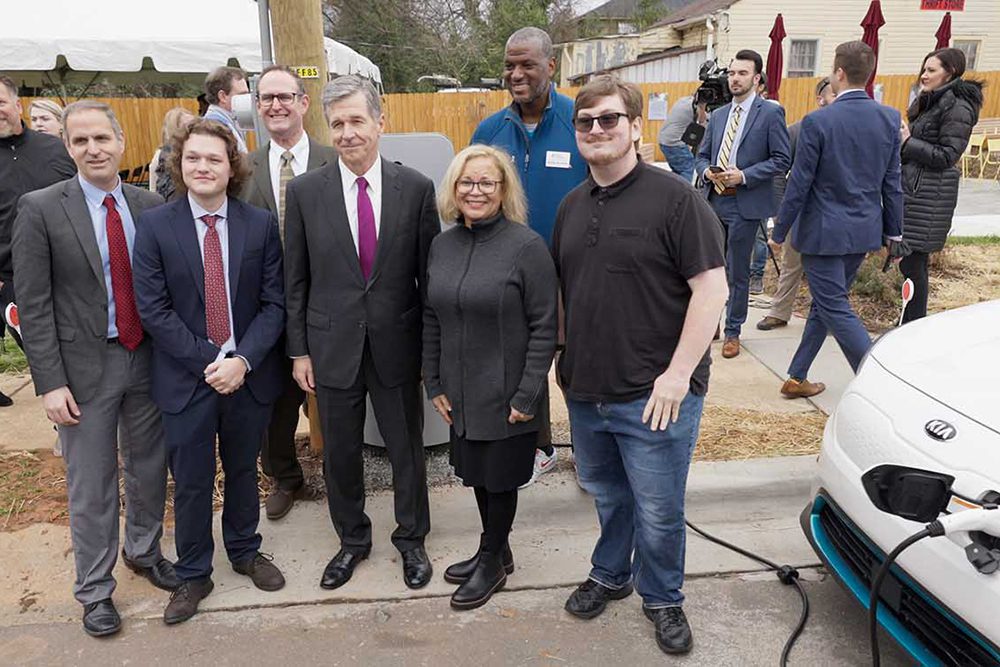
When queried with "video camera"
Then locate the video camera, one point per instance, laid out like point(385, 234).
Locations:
point(714, 89)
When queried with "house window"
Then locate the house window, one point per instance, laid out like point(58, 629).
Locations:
point(970, 47)
point(802, 58)
point(626, 28)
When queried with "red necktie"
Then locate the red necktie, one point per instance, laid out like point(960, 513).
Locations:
point(216, 304)
point(367, 239)
point(126, 315)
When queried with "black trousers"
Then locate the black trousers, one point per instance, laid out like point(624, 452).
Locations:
point(914, 267)
point(399, 412)
point(277, 455)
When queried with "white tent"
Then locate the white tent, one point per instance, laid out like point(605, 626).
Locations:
point(140, 40)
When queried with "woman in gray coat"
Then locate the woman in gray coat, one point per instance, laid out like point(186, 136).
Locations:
point(941, 120)
point(489, 339)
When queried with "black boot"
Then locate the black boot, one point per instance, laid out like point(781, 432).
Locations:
point(459, 572)
point(486, 579)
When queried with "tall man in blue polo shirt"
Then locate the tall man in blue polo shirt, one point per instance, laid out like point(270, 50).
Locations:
point(537, 130)
point(744, 149)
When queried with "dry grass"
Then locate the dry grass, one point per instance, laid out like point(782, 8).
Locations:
point(735, 434)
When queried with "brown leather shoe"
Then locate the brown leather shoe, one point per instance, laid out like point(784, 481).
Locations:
point(264, 574)
point(801, 388)
point(731, 347)
point(769, 323)
point(279, 503)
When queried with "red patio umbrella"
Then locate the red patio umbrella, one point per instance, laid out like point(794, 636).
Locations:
point(943, 33)
point(872, 21)
point(774, 58)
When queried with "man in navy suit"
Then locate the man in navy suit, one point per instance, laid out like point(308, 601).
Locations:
point(745, 147)
point(209, 290)
point(843, 200)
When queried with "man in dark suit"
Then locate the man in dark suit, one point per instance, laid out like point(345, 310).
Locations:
point(843, 200)
point(282, 103)
point(357, 234)
point(745, 147)
point(90, 359)
point(208, 285)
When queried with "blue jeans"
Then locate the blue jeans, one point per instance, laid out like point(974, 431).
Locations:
point(741, 235)
point(759, 260)
point(637, 477)
point(680, 159)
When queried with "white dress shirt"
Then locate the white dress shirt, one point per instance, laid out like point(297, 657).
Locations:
point(349, 181)
point(300, 159)
point(222, 228)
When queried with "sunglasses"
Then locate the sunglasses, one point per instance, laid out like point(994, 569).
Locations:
point(607, 121)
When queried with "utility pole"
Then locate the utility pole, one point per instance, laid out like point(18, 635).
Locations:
point(297, 26)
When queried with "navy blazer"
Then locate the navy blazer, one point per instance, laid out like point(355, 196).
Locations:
point(761, 155)
point(169, 278)
point(844, 191)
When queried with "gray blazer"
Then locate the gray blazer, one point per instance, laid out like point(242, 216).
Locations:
point(61, 295)
point(259, 190)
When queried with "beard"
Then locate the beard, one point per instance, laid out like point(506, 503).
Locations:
point(607, 153)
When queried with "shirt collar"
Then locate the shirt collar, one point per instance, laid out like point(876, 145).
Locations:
point(616, 188)
point(96, 195)
point(197, 211)
point(845, 93)
point(747, 103)
point(514, 111)
point(373, 175)
point(215, 107)
point(298, 151)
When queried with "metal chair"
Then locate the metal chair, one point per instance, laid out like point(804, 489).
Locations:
point(991, 156)
point(972, 158)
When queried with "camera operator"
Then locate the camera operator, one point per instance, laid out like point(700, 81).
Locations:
point(744, 149)
point(678, 153)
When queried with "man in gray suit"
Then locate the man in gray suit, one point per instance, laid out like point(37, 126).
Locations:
point(90, 360)
point(282, 103)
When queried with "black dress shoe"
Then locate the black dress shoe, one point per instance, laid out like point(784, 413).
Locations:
point(340, 568)
point(184, 601)
point(673, 634)
point(417, 568)
point(101, 619)
point(488, 578)
point(5, 400)
point(459, 572)
point(265, 575)
point(161, 574)
point(590, 598)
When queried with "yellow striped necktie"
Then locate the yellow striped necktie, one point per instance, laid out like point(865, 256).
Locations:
point(285, 174)
point(727, 144)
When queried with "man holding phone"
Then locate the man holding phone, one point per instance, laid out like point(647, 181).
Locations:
point(745, 147)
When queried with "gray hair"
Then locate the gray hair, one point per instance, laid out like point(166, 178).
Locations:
point(532, 35)
point(91, 105)
point(344, 86)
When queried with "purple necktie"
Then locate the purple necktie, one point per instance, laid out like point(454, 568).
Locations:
point(366, 229)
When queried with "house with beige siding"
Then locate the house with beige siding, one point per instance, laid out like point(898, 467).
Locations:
point(813, 27)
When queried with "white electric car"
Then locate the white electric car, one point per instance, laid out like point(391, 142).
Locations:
point(927, 396)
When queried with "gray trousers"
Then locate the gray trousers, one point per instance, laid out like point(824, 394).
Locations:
point(120, 417)
point(788, 283)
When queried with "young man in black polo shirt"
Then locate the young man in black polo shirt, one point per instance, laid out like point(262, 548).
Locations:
point(641, 265)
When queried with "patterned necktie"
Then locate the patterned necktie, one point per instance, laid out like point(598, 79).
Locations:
point(285, 174)
point(367, 239)
point(216, 304)
point(727, 144)
point(126, 315)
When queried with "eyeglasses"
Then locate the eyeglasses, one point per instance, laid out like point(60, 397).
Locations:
point(607, 121)
point(284, 98)
point(486, 186)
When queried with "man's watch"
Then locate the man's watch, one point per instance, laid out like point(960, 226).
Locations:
point(232, 355)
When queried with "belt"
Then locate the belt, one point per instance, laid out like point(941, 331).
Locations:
point(728, 192)
point(113, 341)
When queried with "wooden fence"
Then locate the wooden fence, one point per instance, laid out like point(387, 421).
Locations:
point(456, 115)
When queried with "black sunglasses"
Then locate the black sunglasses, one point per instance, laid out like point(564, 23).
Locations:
point(607, 121)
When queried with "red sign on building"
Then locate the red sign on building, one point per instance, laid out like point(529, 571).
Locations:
point(943, 5)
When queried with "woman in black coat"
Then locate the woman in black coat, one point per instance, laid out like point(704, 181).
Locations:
point(489, 339)
point(941, 121)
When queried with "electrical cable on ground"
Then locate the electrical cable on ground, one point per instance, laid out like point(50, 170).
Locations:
point(787, 574)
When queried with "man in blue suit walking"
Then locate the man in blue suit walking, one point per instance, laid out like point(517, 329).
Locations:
point(843, 200)
point(745, 147)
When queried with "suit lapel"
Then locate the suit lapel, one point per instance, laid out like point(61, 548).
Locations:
point(758, 102)
point(336, 210)
point(262, 176)
point(237, 240)
point(75, 206)
point(187, 238)
point(391, 193)
point(318, 154)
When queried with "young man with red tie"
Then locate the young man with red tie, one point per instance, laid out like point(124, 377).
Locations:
point(208, 286)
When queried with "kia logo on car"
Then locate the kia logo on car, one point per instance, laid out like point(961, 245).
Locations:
point(940, 430)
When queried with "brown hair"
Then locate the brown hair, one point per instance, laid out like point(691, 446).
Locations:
point(952, 61)
point(240, 170)
point(605, 85)
point(91, 105)
point(9, 83)
point(173, 120)
point(287, 70)
point(857, 60)
point(220, 80)
point(821, 86)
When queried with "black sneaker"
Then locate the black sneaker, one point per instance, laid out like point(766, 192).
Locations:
point(590, 598)
point(673, 634)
